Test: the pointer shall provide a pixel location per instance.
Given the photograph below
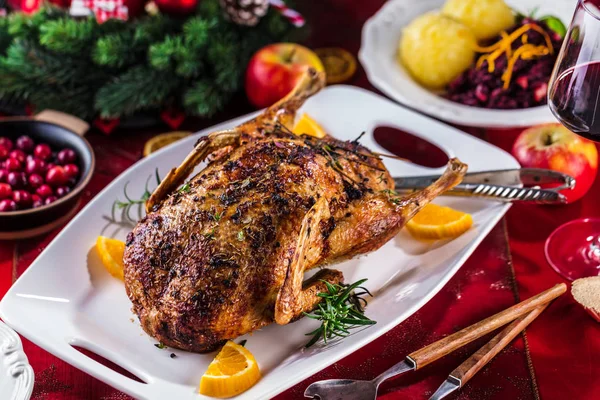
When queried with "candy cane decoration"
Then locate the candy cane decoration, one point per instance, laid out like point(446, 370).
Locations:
point(293, 16)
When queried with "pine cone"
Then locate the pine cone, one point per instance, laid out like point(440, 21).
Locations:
point(245, 12)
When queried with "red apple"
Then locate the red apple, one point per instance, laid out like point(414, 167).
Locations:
point(274, 70)
point(552, 146)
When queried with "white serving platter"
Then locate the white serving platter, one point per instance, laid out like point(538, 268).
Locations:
point(16, 375)
point(66, 298)
point(380, 37)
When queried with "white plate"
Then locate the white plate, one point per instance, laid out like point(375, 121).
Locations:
point(380, 37)
point(16, 375)
point(66, 297)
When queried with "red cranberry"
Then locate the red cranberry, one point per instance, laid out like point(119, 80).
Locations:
point(66, 156)
point(18, 155)
point(7, 205)
point(42, 151)
point(50, 199)
point(62, 191)
point(44, 191)
point(35, 166)
point(17, 180)
point(3, 175)
point(22, 198)
point(35, 181)
point(6, 143)
point(71, 170)
point(49, 166)
point(36, 201)
point(56, 176)
point(25, 143)
point(3, 153)
point(12, 164)
point(5, 191)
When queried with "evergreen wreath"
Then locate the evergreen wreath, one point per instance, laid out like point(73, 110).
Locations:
point(116, 69)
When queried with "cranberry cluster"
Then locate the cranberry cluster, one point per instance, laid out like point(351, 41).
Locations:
point(32, 175)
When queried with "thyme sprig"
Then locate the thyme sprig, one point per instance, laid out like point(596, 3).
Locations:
point(342, 309)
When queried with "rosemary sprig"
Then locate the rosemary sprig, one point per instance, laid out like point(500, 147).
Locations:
point(129, 203)
point(341, 309)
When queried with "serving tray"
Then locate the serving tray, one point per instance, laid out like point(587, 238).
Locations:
point(67, 299)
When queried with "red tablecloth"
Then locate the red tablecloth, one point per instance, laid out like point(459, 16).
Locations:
point(557, 358)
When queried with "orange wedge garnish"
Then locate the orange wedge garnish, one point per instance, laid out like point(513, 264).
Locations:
point(162, 140)
point(308, 126)
point(233, 371)
point(111, 252)
point(435, 222)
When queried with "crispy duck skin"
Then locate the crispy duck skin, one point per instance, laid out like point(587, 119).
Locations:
point(226, 255)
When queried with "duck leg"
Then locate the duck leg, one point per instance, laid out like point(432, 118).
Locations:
point(373, 220)
point(296, 296)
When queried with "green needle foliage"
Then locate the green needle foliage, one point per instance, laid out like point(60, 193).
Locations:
point(116, 69)
point(341, 309)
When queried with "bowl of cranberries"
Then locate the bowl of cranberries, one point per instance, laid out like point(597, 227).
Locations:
point(43, 170)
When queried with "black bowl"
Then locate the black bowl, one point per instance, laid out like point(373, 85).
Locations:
point(59, 134)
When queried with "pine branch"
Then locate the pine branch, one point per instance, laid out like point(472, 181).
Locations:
point(197, 31)
point(162, 55)
point(139, 88)
point(154, 29)
point(117, 50)
point(204, 99)
point(67, 35)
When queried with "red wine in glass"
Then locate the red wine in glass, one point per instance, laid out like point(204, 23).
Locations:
point(573, 249)
point(575, 99)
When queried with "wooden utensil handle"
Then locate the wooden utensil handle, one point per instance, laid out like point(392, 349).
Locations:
point(70, 122)
point(473, 364)
point(457, 340)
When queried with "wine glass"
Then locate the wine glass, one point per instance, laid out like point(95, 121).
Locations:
point(573, 249)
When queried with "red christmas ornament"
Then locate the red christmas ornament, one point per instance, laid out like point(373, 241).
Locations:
point(106, 125)
point(31, 6)
point(27, 6)
point(176, 7)
point(173, 118)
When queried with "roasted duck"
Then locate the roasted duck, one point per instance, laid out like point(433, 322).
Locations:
point(225, 253)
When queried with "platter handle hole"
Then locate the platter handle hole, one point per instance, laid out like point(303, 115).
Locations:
point(109, 364)
point(409, 146)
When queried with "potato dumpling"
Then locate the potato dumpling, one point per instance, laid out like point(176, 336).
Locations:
point(486, 18)
point(436, 49)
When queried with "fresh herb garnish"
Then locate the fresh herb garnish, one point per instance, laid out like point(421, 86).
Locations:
point(160, 345)
point(555, 24)
point(210, 235)
point(217, 216)
point(241, 236)
point(341, 309)
point(127, 205)
point(185, 188)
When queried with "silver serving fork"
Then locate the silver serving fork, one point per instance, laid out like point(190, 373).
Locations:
point(503, 185)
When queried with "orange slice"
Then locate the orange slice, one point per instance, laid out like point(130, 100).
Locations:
point(436, 222)
point(160, 141)
point(111, 252)
point(308, 126)
point(340, 64)
point(233, 371)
